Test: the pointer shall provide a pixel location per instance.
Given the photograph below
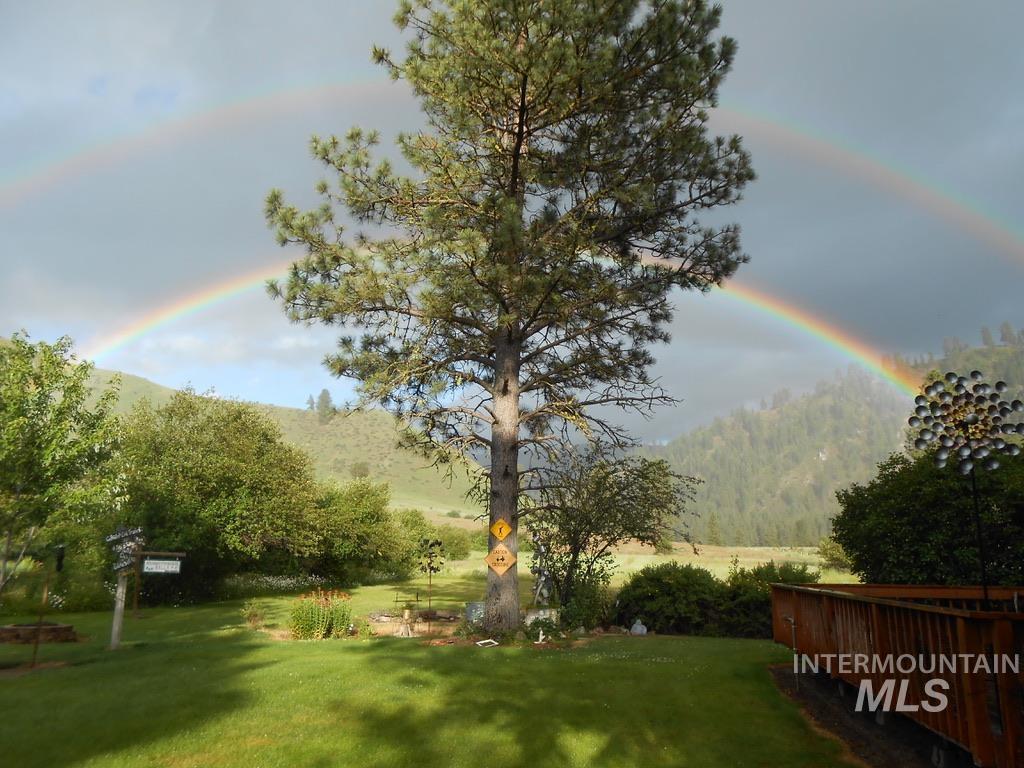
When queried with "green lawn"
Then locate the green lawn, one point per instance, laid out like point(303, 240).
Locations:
point(193, 687)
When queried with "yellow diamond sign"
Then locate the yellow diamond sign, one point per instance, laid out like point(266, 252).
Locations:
point(501, 529)
point(500, 559)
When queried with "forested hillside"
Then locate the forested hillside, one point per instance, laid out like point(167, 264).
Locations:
point(342, 445)
point(1003, 359)
point(770, 475)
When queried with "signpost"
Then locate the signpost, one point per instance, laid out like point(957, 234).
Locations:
point(153, 562)
point(124, 542)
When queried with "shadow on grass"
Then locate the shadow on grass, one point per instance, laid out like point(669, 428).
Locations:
point(112, 702)
point(614, 702)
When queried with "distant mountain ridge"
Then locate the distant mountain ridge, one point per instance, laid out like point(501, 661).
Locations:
point(771, 474)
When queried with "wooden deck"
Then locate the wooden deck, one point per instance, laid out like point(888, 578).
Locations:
point(985, 713)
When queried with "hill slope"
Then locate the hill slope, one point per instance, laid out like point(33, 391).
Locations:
point(350, 438)
point(770, 476)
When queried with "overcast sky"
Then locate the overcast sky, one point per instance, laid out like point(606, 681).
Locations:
point(138, 140)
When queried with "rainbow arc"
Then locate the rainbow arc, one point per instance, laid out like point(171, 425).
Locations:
point(845, 342)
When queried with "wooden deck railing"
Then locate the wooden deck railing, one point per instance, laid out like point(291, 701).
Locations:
point(985, 711)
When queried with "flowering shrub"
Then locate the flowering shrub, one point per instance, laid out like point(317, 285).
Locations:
point(320, 614)
point(262, 584)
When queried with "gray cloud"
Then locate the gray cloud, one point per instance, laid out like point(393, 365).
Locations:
point(930, 89)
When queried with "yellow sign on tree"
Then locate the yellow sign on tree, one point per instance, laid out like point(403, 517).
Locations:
point(500, 559)
point(501, 529)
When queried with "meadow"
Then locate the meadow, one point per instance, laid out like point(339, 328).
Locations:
point(195, 687)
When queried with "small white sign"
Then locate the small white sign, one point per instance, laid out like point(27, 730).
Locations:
point(161, 566)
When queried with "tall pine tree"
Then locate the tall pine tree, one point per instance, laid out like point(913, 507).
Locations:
point(526, 265)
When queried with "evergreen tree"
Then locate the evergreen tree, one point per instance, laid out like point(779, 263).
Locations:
point(986, 337)
point(310, 404)
point(526, 265)
point(1007, 335)
point(951, 345)
point(714, 535)
point(324, 407)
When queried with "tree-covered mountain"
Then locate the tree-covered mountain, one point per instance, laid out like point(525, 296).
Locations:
point(770, 475)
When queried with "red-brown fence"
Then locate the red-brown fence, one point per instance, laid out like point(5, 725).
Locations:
point(985, 711)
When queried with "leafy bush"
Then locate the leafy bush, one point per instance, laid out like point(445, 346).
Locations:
point(319, 615)
point(547, 626)
point(746, 606)
point(363, 538)
point(672, 598)
point(685, 599)
point(456, 541)
point(833, 555)
point(588, 607)
point(214, 478)
point(363, 628)
point(913, 523)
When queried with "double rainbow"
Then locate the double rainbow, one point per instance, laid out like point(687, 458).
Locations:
point(962, 213)
point(790, 314)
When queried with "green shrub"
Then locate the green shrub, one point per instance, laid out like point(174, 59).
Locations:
point(456, 541)
point(550, 629)
point(912, 524)
point(588, 607)
point(746, 608)
point(363, 629)
point(319, 615)
point(833, 555)
point(671, 598)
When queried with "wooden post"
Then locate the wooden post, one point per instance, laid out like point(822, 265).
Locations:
point(115, 629)
point(39, 624)
point(137, 580)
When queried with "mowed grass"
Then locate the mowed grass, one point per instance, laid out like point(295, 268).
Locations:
point(193, 687)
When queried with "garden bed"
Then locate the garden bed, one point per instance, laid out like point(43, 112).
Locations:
point(48, 633)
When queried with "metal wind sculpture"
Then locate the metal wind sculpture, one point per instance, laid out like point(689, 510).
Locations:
point(970, 421)
point(541, 572)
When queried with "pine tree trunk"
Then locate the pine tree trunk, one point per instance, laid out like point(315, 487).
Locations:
point(502, 609)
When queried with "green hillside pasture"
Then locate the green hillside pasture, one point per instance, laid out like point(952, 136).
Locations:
point(337, 447)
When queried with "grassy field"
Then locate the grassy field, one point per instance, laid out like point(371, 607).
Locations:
point(194, 688)
point(719, 560)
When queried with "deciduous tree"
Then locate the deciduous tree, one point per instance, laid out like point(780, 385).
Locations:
point(52, 433)
point(592, 503)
